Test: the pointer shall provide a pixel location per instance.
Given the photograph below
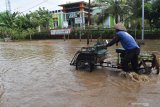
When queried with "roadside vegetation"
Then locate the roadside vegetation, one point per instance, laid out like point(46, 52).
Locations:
point(35, 25)
point(22, 26)
point(129, 12)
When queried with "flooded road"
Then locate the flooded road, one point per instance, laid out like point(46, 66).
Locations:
point(38, 74)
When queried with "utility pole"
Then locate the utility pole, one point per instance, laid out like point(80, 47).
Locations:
point(142, 20)
point(89, 22)
point(8, 5)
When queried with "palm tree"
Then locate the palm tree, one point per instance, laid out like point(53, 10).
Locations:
point(29, 24)
point(17, 25)
point(43, 17)
point(8, 21)
point(30, 32)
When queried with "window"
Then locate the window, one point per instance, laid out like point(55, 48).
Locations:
point(55, 24)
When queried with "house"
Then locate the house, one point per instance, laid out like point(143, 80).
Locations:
point(75, 15)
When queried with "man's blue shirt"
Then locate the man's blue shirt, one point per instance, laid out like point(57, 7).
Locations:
point(127, 40)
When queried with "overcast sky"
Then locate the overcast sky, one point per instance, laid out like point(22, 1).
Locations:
point(31, 5)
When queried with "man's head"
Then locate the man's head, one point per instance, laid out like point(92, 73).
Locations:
point(120, 27)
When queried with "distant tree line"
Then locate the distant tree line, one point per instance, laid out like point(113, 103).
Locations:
point(130, 12)
point(20, 26)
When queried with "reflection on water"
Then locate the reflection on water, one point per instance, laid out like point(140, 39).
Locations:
point(38, 74)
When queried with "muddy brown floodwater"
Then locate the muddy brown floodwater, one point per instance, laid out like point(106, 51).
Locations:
point(38, 74)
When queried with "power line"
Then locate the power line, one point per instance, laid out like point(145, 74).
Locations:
point(2, 9)
point(35, 6)
point(22, 6)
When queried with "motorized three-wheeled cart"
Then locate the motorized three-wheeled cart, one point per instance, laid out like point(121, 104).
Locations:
point(88, 57)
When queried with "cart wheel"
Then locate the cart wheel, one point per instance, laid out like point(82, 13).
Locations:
point(145, 67)
point(80, 64)
point(85, 65)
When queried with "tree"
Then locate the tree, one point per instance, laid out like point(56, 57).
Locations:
point(156, 12)
point(149, 14)
point(30, 32)
point(7, 20)
point(17, 25)
point(43, 16)
point(134, 12)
